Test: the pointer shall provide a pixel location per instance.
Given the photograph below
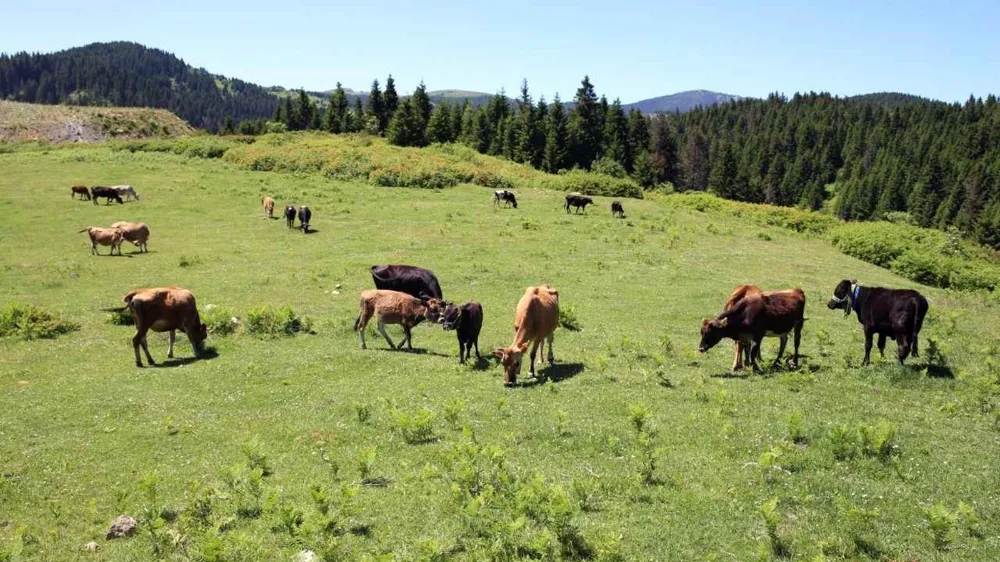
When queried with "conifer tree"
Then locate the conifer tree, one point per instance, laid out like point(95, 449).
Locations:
point(585, 125)
point(616, 141)
point(440, 123)
point(694, 162)
point(375, 108)
point(336, 120)
point(390, 99)
point(357, 116)
point(722, 178)
point(405, 127)
point(556, 154)
point(422, 102)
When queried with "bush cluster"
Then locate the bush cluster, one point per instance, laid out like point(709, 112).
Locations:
point(29, 322)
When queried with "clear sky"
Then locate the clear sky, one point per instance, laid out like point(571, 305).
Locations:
point(631, 50)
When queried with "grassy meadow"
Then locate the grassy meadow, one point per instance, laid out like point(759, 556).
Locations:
point(636, 448)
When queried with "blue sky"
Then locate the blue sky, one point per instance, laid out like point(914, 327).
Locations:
point(631, 50)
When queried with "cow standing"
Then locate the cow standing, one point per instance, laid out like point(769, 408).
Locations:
point(105, 237)
point(164, 309)
point(535, 321)
point(107, 192)
point(895, 313)
point(617, 210)
point(578, 202)
point(80, 190)
point(393, 307)
point(467, 321)
point(268, 207)
point(290, 216)
point(304, 215)
point(135, 232)
point(755, 316)
point(414, 281)
point(507, 197)
point(126, 191)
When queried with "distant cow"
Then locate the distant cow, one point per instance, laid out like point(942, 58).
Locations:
point(617, 210)
point(467, 321)
point(393, 307)
point(535, 320)
point(414, 281)
point(896, 313)
point(164, 309)
point(290, 216)
point(507, 197)
point(126, 191)
point(80, 190)
point(109, 193)
point(578, 201)
point(268, 207)
point(755, 316)
point(105, 237)
point(304, 215)
point(135, 232)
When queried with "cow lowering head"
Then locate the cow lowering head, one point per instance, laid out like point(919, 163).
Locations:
point(844, 295)
point(510, 358)
point(197, 336)
point(712, 331)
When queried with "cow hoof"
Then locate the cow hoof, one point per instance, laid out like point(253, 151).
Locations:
point(138, 364)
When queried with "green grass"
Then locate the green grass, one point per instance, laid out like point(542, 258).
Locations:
point(639, 448)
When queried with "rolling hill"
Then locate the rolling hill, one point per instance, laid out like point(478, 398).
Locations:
point(62, 123)
point(681, 101)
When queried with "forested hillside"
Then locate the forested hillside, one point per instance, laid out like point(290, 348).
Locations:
point(128, 74)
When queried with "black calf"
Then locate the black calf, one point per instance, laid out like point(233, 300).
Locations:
point(467, 321)
point(895, 313)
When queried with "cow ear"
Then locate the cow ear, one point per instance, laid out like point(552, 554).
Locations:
point(705, 322)
point(724, 322)
point(499, 352)
point(854, 281)
point(523, 347)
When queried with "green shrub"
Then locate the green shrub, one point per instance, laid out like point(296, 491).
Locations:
point(568, 319)
point(220, 322)
point(269, 321)
point(943, 524)
point(922, 267)
point(120, 317)
point(875, 243)
point(29, 322)
point(590, 183)
point(416, 427)
point(609, 167)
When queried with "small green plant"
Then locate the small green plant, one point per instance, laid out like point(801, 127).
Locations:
point(331, 463)
point(562, 424)
point(639, 416)
point(943, 524)
point(568, 319)
point(453, 410)
point(120, 317)
point(585, 490)
point(188, 261)
point(220, 322)
point(842, 442)
point(363, 412)
point(29, 322)
point(796, 428)
point(256, 459)
point(268, 321)
point(772, 518)
point(416, 427)
point(969, 518)
point(366, 462)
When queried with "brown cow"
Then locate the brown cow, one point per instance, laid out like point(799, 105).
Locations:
point(393, 307)
point(268, 207)
point(738, 293)
point(165, 309)
point(755, 316)
point(135, 232)
point(105, 237)
point(80, 190)
point(535, 320)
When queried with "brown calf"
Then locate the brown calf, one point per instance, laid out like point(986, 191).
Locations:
point(392, 307)
point(135, 232)
point(80, 190)
point(105, 237)
point(165, 309)
point(754, 316)
point(535, 320)
point(268, 207)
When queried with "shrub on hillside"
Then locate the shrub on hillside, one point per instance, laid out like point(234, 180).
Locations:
point(609, 167)
point(269, 321)
point(876, 243)
point(923, 267)
point(29, 322)
point(589, 183)
point(220, 322)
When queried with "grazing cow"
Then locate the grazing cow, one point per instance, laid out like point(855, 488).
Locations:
point(535, 321)
point(268, 207)
point(617, 210)
point(506, 196)
point(290, 216)
point(467, 321)
point(109, 193)
point(393, 307)
point(578, 201)
point(135, 232)
point(80, 190)
point(126, 191)
point(754, 316)
point(164, 309)
point(304, 215)
point(105, 237)
point(896, 313)
point(414, 281)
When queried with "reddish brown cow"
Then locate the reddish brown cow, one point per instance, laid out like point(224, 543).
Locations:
point(135, 232)
point(165, 309)
point(755, 316)
point(80, 190)
point(535, 321)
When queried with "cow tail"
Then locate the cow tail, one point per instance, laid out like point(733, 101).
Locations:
point(915, 327)
point(84, 230)
point(127, 299)
point(357, 322)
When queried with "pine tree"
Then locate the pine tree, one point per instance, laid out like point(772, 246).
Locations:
point(526, 127)
point(422, 106)
point(722, 179)
point(638, 133)
point(357, 116)
point(439, 125)
point(645, 171)
point(556, 155)
point(390, 99)
point(405, 127)
point(694, 162)
point(664, 151)
point(585, 125)
point(375, 108)
point(336, 121)
point(458, 121)
point(616, 142)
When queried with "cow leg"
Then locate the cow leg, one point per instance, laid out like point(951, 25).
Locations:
point(476, 343)
point(381, 330)
point(738, 357)
point(361, 336)
point(881, 345)
point(795, 350)
point(755, 353)
point(136, 342)
point(903, 350)
point(869, 333)
point(552, 357)
point(783, 341)
point(461, 351)
point(534, 350)
point(170, 344)
point(408, 335)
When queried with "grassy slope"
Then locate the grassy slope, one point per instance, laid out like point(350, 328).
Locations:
point(80, 424)
point(61, 123)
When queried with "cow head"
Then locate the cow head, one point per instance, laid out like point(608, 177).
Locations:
point(450, 316)
point(510, 359)
point(198, 337)
point(843, 297)
point(434, 308)
point(712, 331)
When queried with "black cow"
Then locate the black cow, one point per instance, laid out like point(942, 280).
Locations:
point(467, 321)
point(617, 210)
point(578, 201)
point(506, 196)
point(414, 281)
point(99, 191)
point(290, 216)
point(304, 215)
point(896, 313)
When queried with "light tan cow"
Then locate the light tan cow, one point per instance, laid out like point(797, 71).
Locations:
point(165, 309)
point(268, 207)
point(135, 232)
point(393, 307)
point(535, 321)
point(126, 191)
point(105, 237)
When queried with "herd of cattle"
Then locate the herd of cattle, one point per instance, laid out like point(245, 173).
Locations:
point(407, 295)
point(115, 192)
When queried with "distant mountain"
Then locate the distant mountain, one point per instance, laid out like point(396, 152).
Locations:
point(681, 101)
point(131, 75)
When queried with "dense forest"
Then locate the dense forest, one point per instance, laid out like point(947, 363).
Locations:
point(128, 74)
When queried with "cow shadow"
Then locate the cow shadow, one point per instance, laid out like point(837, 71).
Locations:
point(417, 351)
point(939, 372)
point(741, 375)
point(310, 231)
point(555, 373)
point(207, 355)
point(482, 363)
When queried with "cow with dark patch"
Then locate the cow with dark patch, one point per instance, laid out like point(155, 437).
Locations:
point(304, 215)
point(414, 281)
point(290, 216)
point(109, 193)
point(617, 210)
point(467, 321)
point(895, 313)
point(578, 201)
point(755, 316)
point(507, 197)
